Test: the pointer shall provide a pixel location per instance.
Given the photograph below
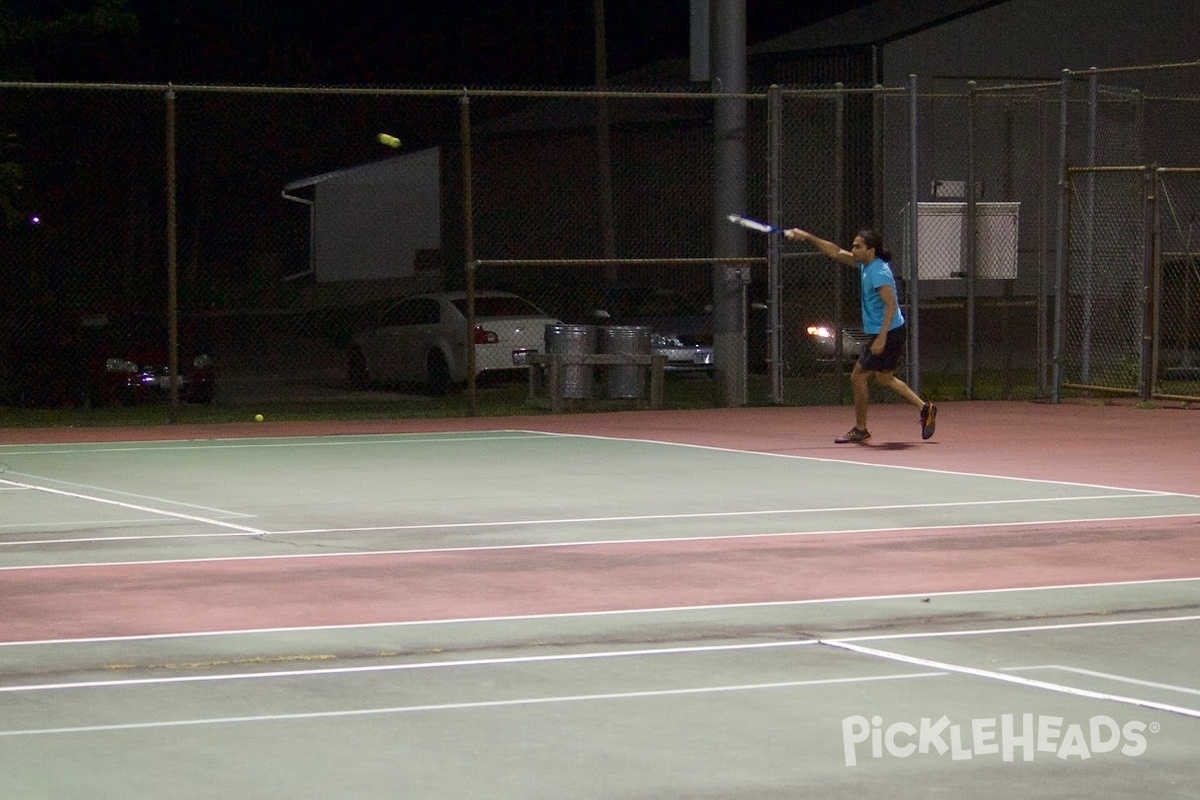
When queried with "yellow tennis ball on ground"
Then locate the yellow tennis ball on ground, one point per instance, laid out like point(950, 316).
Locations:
point(388, 139)
point(258, 417)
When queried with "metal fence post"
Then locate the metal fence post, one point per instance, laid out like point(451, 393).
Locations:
point(839, 208)
point(172, 265)
point(969, 240)
point(914, 289)
point(1147, 378)
point(1043, 290)
point(468, 244)
point(1060, 254)
point(774, 244)
point(1089, 221)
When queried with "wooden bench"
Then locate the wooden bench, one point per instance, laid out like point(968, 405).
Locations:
point(546, 373)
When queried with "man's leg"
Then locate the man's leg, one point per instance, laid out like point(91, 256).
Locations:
point(898, 386)
point(860, 379)
point(928, 410)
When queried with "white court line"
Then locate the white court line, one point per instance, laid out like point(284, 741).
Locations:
point(938, 668)
point(421, 665)
point(849, 643)
point(118, 492)
point(844, 462)
point(1170, 687)
point(1015, 679)
point(132, 506)
point(581, 542)
point(661, 610)
point(263, 535)
point(130, 538)
point(468, 436)
point(1059, 626)
point(251, 443)
point(392, 439)
point(526, 701)
point(86, 523)
point(726, 514)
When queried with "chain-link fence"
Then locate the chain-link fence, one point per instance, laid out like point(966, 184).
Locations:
point(829, 187)
point(1104, 299)
point(985, 237)
point(272, 232)
point(1175, 299)
point(1131, 282)
point(1128, 280)
point(581, 200)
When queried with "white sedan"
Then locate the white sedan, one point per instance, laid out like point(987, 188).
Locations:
point(422, 339)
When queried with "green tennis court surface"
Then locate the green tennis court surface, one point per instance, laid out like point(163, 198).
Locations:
point(583, 616)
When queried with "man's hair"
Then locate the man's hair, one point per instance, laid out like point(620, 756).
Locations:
point(872, 239)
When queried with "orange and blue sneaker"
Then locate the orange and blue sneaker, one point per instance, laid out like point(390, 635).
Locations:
point(855, 434)
point(928, 420)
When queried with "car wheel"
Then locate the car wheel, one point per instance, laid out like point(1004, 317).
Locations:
point(437, 374)
point(360, 375)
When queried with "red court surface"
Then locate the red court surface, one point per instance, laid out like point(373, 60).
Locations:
point(168, 598)
point(1115, 444)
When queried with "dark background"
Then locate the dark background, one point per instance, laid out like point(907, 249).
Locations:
point(93, 159)
point(477, 43)
point(235, 154)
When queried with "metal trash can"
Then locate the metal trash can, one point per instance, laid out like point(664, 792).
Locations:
point(573, 340)
point(625, 382)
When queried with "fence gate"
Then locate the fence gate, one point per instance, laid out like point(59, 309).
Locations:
point(1176, 298)
point(1128, 323)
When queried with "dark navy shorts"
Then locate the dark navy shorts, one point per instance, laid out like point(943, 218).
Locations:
point(889, 359)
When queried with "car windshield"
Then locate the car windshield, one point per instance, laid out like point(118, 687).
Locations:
point(487, 306)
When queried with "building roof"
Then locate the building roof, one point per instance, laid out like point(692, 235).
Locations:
point(872, 24)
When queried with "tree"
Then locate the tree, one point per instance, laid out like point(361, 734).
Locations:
point(18, 34)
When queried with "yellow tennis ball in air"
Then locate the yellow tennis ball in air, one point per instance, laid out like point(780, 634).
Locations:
point(388, 139)
point(258, 417)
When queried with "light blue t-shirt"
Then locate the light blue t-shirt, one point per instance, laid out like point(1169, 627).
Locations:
point(877, 273)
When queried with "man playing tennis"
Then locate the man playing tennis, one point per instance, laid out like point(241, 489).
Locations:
point(881, 315)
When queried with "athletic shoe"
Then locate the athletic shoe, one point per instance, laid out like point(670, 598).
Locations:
point(928, 420)
point(853, 435)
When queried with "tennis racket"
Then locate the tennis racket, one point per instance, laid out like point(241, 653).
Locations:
point(755, 225)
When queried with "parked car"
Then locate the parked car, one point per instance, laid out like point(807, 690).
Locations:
point(422, 339)
point(823, 348)
point(97, 359)
point(680, 323)
point(128, 359)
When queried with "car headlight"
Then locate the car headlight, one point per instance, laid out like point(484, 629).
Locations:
point(120, 365)
point(820, 332)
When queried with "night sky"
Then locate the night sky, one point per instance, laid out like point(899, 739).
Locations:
point(402, 42)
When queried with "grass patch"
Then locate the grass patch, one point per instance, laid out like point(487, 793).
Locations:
point(989, 384)
point(499, 400)
point(512, 399)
